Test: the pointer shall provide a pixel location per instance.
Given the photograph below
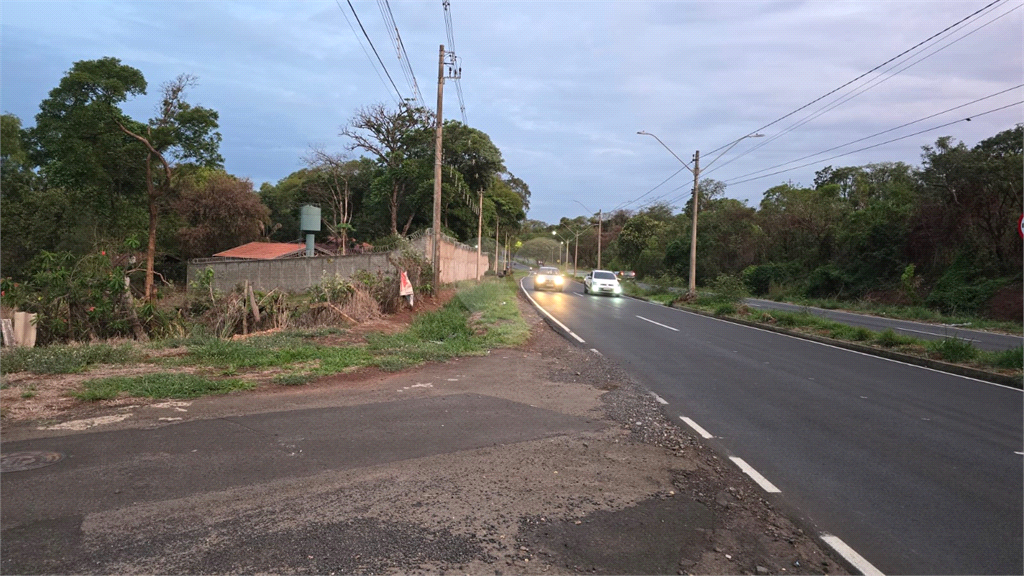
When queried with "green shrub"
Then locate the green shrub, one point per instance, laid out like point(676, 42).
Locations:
point(336, 290)
point(825, 281)
point(725, 290)
point(724, 309)
point(964, 287)
point(952, 349)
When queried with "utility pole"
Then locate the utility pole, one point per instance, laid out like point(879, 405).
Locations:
point(693, 231)
point(496, 220)
point(479, 235)
point(600, 212)
point(453, 72)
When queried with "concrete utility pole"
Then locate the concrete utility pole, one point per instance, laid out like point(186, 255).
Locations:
point(696, 175)
point(479, 234)
point(693, 229)
point(496, 244)
point(453, 72)
point(599, 214)
point(437, 173)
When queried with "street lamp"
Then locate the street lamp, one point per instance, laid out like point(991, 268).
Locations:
point(564, 241)
point(696, 195)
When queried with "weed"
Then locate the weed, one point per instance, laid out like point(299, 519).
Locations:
point(63, 359)
point(1012, 359)
point(293, 379)
point(159, 385)
point(952, 349)
point(890, 339)
point(724, 309)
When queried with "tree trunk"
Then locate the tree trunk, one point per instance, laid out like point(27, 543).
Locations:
point(394, 208)
point(151, 246)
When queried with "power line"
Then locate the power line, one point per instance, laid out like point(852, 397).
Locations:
point(894, 58)
point(403, 56)
point(451, 45)
point(874, 83)
point(372, 65)
point(965, 119)
point(624, 204)
point(397, 91)
point(880, 133)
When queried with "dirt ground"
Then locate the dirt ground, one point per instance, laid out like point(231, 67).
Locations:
point(638, 495)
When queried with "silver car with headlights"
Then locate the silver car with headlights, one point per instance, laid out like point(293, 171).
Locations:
point(548, 278)
point(602, 282)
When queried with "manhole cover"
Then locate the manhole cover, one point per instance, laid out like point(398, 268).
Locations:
point(19, 461)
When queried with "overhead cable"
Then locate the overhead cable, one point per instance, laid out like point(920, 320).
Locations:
point(403, 56)
point(965, 119)
point(385, 68)
point(894, 58)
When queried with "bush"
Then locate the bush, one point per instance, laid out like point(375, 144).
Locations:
point(825, 281)
point(725, 290)
point(890, 339)
point(724, 309)
point(1012, 359)
point(759, 280)
point(336, 290)
point(963, 288)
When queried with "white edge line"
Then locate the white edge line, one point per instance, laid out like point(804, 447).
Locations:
point(851, 556)
point(761, 480)
point(704, 433)
point(596, 351)
point(548, 314)
point(848, 350)
point(659, 398)
point(658, 323)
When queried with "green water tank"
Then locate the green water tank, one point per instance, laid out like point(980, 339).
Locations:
point(309, 218)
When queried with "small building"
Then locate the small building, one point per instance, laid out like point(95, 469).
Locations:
point(270, 251)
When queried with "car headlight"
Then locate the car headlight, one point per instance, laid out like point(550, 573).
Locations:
point(558, 280)
point(618, 289)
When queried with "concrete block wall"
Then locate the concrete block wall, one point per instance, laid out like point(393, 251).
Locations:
point(458, 262)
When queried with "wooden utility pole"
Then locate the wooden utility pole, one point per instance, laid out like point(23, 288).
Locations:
point(437, 173)
point(496, 244)
point(693, 234)
point(479, 234)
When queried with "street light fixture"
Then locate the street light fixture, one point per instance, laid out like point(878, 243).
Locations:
point(564, 241)
point(696, 196)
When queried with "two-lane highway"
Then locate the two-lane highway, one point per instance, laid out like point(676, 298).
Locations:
point(918, 471)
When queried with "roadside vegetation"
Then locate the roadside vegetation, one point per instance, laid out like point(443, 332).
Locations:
point(724, 298)
point(477, 318)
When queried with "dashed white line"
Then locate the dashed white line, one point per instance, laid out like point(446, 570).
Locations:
point(761, 480)
point(851, 556)
point(659, 398)
point(704, 433)
point(658, 323)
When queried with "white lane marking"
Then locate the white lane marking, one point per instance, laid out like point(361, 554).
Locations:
point(1021, 453)
point(761, 480)
point(658, 323)
point(858, 561)
point(659, 398)
point(937, 334)
point(596, 351)
point(704, 433)
point(548, 314)
point(851, 351)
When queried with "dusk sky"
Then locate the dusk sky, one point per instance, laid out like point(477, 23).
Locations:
point(561, 87)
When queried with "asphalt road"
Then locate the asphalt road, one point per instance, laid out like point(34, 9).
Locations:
point(981, 340)
point(918, 471)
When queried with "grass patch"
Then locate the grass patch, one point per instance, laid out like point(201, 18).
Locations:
point(952, 349)
point(1012, 359)
point(890, 339)
point(159, 385)
point(724, 310)
point(63, 359)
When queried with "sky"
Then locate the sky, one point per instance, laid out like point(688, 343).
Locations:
point(562, 88)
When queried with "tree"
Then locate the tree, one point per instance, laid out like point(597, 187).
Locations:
point(332, 188)
point(386, 135)
point(219, 211)
point(87, 142)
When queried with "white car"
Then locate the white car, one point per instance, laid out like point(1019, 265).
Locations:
point(548, 278)
point(601, 282)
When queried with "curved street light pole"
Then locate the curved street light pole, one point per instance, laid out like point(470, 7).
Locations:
point(600, 214)
point(696, 197)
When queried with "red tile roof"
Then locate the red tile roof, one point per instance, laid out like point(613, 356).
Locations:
point(264, 250)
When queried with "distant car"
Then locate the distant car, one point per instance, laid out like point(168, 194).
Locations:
point(548, 278)
point(627, 275)
point(602, 282)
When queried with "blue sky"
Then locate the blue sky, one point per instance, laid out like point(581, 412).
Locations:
point(561, 87)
